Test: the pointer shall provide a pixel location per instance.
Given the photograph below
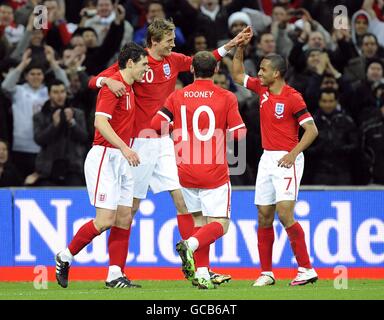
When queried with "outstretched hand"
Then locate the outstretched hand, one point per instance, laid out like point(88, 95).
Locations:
point(244, 37)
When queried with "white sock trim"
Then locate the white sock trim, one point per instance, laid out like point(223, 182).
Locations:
point(193, 243)
point(66, 256)
point(114, 272)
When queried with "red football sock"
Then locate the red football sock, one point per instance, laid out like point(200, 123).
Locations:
point(201, 255)
point(209, 233)
point(265, 239)
point(186, 225)
point(84, 236)
point(118, 243)
point(297, 239)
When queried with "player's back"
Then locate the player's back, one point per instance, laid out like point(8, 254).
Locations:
point(202, 112)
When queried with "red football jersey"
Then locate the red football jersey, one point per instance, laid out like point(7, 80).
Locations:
point(158, 83)
point(280, 115)
point(120, 111)
point(202, 114)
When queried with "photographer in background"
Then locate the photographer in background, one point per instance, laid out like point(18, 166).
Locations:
point(61, 132)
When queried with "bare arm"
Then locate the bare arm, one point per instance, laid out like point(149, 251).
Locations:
point(102, 124)
point(368, 7)
point(238, 71)
point(306, 140)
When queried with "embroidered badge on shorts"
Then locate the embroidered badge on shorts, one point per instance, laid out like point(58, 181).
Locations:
point(102, 197)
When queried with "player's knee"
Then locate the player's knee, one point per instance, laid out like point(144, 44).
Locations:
point(265, 221)
point(135, 206)
point(286, 217)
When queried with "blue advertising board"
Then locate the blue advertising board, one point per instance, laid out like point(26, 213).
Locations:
point(342, 227)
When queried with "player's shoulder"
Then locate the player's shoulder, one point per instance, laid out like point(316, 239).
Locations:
point(221, 92)
point(293, 95)
point(290, 91)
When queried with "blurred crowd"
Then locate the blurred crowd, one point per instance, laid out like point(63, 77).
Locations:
point(47, 110)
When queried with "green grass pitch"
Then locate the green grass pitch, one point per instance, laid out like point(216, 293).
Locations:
point(182, 290)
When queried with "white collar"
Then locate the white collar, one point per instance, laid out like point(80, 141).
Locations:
point(108, 20)
point(211, 14)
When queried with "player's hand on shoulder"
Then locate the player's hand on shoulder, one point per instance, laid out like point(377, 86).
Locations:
point(117, 87)
point(131, 156)
point(287, 161)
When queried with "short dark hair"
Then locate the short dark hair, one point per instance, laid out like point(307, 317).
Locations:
point(153, 2)
point(204, 64)
point(368, 34)
point(3, 140)
point(329, 91)
point(85, 29)
point(130, 51)
point(34, 65)
point(55, 82)
point(278, 63)
point(261, 35)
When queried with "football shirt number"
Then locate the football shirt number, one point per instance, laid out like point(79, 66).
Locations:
point(195, 123)
point(149, 76)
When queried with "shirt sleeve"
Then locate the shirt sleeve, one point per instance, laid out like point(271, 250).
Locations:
point(182, 61)
point(299, 109)
point(106, 103)
point(252, 84)
point(234, 120)
point(94, 82)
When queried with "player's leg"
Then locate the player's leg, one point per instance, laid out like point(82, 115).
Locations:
point(215, 205)
point(98, 171)
point(265, 239)
point(203, 238)
point(287, 182)
point(105, 218)
point(118, 241)
point(265, 201)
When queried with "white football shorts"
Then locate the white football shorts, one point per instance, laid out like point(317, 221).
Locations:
point(275, 184)
point(157, 168)
point(109, 178)
point(212, 202)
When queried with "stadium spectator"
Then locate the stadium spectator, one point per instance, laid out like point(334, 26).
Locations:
point(311, 35)
point(98, 56)
point(60, 130)
point(155, 9)
point(27, 99)
point(372, 132)
point(11, 31)
point(365, 101)
point(331, 155)
point(212, 19)
point(324, 76)
point(106, 16)
point(355, 70)
point(9, 176)
point(375, 26)
point(57, 34)
point(359, 26)
point(281, 28)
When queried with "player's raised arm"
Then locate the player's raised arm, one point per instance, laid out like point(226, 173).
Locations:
point(238, 71)
point(242, 37)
